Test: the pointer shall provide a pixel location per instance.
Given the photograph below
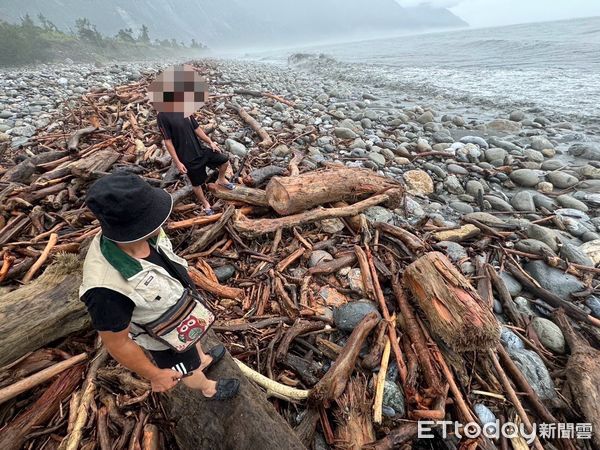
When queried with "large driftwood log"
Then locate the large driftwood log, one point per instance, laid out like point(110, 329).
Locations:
point(247, 421)
point(44, 310)
point(453, 308)
point(583, 375)
point(289, 195)
point(257, 227)
point(240, 194)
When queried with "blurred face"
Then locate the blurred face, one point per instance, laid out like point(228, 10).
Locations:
point(178, 89)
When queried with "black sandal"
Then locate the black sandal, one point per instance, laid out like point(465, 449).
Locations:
point(226, 388)
point(217, 353)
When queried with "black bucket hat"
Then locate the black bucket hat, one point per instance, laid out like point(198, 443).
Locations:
point(127, 207)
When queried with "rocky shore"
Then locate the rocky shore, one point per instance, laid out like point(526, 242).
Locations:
point(516, 185)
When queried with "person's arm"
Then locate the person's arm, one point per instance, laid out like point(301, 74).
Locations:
point(174, 157)
point(203, 136)
point(130, 355)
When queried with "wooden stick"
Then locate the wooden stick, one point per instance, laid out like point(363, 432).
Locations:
point(365, 271)
point(188, 223)
point(34, 380)
point(203, 282)
point(274, 389)
point(103, 435)
point(378, 403)
point(386, 315)
point(290, 259)
point(255, 125)
point(241, 193)
point(151, 437)
point(41, 260)
point(257, 227)
point(512, 395)
point(7, 260)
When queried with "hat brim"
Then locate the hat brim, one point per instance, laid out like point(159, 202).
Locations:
point(145, 225)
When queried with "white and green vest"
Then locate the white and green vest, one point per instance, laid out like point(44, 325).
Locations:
point(150, 287)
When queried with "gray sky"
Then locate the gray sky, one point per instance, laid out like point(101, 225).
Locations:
point(482, 13)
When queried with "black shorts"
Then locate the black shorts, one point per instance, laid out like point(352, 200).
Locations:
point(181, 362)
point(196, 170)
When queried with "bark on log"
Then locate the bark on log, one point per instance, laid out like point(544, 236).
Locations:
point(247, 421)
point(355, 428)
point(257, 227)
point(240, 194)
point(289, 195)
point(583, 375)
point(46, 309)
point(453, 308)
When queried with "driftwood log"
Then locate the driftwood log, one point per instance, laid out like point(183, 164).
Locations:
point(289, 195)
point(240, 194)
point(257, 227)
point(44, 310)
point(453, 308)
point(263, 174)
point(247, 421)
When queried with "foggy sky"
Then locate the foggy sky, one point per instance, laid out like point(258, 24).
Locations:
point(483, 13)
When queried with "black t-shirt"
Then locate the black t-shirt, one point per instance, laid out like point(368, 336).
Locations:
point(111, 310)
point(180, 130)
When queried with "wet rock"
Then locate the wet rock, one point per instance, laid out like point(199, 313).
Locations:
point(461, 207)
point(593, 303)
point(474, 187)
point(552, 164)
point(460, 234)
point(348, 316)
point(554, 280)
point(496, 154)
point(534, 370)
point(586, 150)
point(525, 177)
point(345, 133)
point(224, 273)
point(540, 143)
point(454, 250)
point(474, 140)
point(379, 214)
point(533, 155)
point(535, 247)
point(426, 117)
point(574, 254)
point(332, 226)
point(377, 158)
point(497, 203)
point(562, 180)
point(455, 168)
point(550, 335)
point(25, 131)
point(592, 250)
point(393, 398)
point(505, 126)
point(546, 235)
point(236, 148)
point(319, 256)
point(484, 414)
point(569, 202)
point(523, 306)
point(544, 186)
point(453, 185)
point(517, 116)
point(485, 218)
point(510, 339)
point(542, 201)
point(418, 182)
point(282, 150)
point(523, 201)
point(511, 283)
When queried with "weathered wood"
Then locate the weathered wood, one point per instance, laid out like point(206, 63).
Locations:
point(289, 195)
point(73, 142)
point(205, 236)
point(583, 375)
point(247, 421)
point(259, 176)
point(257, 227)
point(453, 308)
point(43, 311)
point(353, 416)
point(14, 435)
point(99, 161)
point(333, 383)
point(240, 194)
point(255, 125)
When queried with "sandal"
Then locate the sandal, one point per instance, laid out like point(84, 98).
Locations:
point(209, 211)
point(228, 185)
point(217, 354)
point(226, 388)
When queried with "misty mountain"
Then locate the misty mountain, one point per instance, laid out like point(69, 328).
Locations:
point(240, 23)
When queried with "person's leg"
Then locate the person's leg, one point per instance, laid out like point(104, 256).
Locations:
point(200, 195)
point(199, 381)
point(223, 168)
point(205, 358)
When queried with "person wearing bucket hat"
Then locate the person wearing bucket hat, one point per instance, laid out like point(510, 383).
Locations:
point(132, 283)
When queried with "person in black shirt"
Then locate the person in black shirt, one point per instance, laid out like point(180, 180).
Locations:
point(175, 94)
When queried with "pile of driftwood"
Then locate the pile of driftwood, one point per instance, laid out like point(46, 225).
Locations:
point(430, 325)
